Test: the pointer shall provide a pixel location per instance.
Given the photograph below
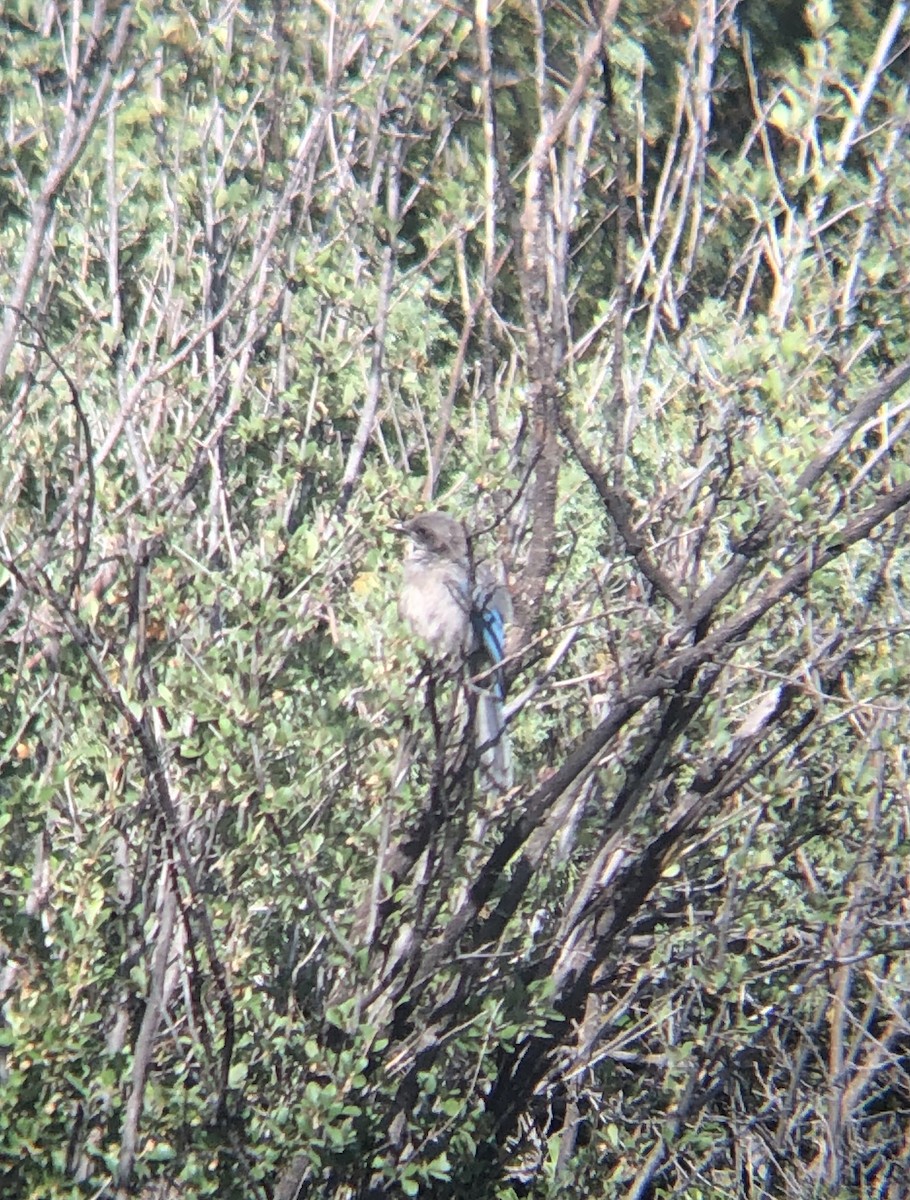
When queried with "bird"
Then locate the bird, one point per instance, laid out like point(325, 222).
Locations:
point(460, 614)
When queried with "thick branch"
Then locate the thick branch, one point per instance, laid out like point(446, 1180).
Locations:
point(663, 678)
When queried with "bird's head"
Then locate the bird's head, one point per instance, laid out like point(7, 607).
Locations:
point(436, 535)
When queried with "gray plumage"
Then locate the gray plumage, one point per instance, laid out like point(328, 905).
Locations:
point(461, 621)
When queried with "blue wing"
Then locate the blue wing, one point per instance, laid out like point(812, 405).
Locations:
point(488, 627)
point(490, 637)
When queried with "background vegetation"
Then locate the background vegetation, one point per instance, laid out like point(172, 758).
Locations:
point(627, 289)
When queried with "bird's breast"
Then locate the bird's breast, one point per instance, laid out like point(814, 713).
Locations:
point(433, 604)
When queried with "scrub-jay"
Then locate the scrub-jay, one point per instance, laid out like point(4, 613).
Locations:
point(462, 619)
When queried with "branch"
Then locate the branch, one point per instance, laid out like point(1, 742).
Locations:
point(72, 142)
point(374, 387)
point(445, 411)
point(617, 505)
point(757, 538)
point(662, 679)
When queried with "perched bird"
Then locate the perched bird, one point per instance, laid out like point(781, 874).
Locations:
point(462, 620)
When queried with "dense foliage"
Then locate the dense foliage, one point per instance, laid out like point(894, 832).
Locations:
point(627, 290)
